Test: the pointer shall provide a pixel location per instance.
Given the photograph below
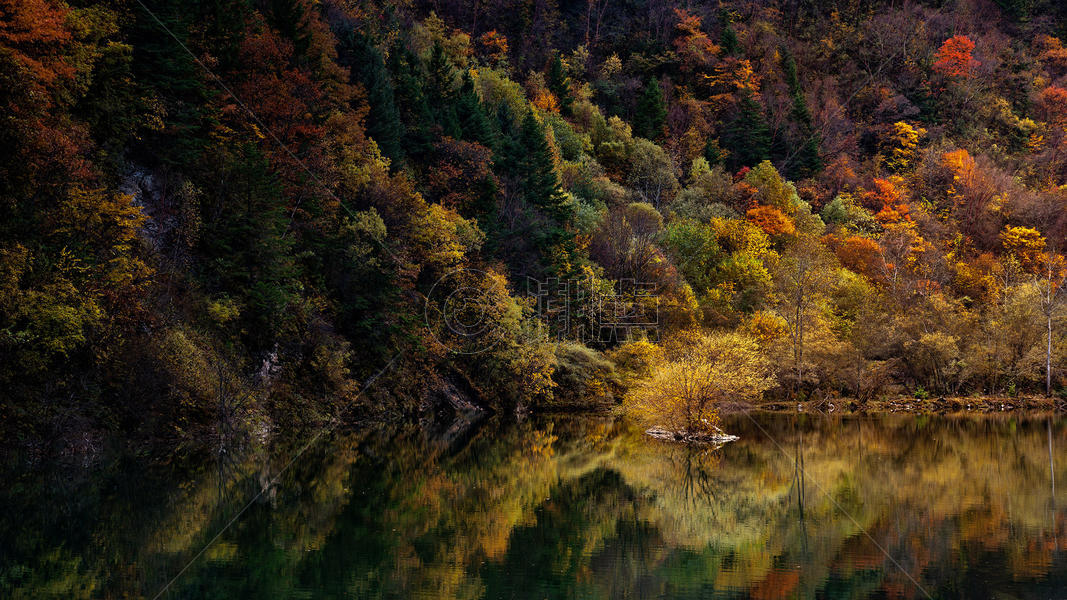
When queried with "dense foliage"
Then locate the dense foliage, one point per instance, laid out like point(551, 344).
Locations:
point(223, 212)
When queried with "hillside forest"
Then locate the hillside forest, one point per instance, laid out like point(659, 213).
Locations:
point(261, 215)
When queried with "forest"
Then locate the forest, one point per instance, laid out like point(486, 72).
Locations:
point(260, 216)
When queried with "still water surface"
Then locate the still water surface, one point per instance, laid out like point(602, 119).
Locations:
point(802, 506)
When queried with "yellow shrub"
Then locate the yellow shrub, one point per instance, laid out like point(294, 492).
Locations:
point(698, 373)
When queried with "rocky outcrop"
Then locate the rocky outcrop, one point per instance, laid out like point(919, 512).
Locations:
point(718, 437)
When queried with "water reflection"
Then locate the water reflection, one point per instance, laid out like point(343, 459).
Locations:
point(802, 506)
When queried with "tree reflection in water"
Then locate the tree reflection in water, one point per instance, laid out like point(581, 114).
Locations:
point(564, 507)
point(697, 469)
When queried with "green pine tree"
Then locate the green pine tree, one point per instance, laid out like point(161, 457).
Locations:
point(506, 149)
point(712, 152)
point(368, 68)
point(473, 122)
point(808, 162)
point(412, 103)
point(541, 186)
point(804, 159)
point(789, 70)
point(163, 69)
point(247, 255)
point(728, 42)
point(651, 111)
point(541, 189)
point(560, 85)
point(747, 137)
point(226, 22)
point(441, 91)
point(523, 161)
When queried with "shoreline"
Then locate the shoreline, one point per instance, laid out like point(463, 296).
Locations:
point(906, 404)
point(901, 404)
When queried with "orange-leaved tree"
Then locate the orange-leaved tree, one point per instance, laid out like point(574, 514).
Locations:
point(1053, 105)
point(894, 206)
point(861, 255)
point(771, 220)
point(954, 58)
point(694, 47)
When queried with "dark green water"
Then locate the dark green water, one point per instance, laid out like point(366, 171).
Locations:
point(801, 507)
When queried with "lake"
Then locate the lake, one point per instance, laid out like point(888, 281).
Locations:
point(802, 506)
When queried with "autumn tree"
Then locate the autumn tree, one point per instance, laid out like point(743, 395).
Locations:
point(699, 373)
point(1026, 245)
point(694, 47)
point(861, 255)
point(494, 46)
point(462, 178)
point(1052, 53)
point(903, 146)
point(954, 59)
point(625, 244)
point(771, 220)
point(651, 173)
point(695, 251)
point(35, 35)
point(73, 266)
point(903, 262)
point(801, 276)
point(892, 201)
point(1051, 285)
point(1053, 103)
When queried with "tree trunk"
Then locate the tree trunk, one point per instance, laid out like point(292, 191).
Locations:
point(1048, 357)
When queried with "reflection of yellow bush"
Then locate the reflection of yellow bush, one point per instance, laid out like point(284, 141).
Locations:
point(698, 372)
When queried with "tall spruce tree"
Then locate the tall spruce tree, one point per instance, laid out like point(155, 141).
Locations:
point(507, 153)
point(728, 40)
point(541, 186)
point(541, 189)
point(522, 159)
point(413, 106)
point(747, 137)
point(441, 91)
point(804, 157)
point(651, 112)
point(163, 69)
point(712, 152)
point(473, 122)
point(560, 85)
point(247, 255)
point(367, 67)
